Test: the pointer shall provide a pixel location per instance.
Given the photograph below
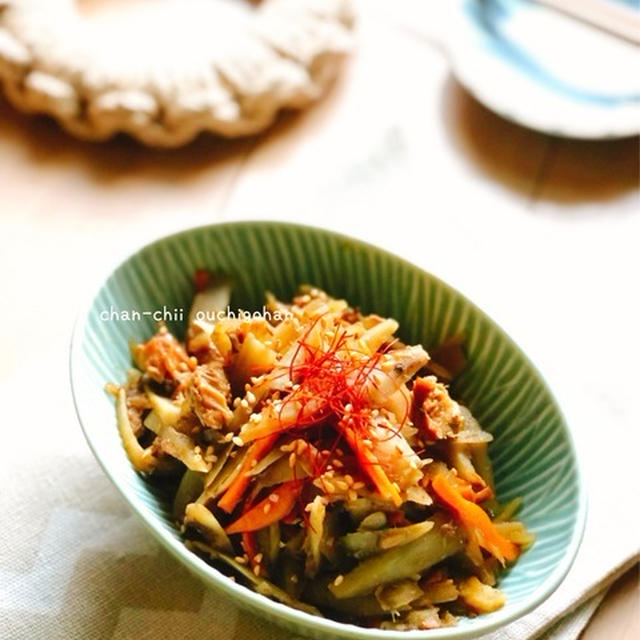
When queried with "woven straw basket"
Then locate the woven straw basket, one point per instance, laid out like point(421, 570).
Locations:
point(166, 70)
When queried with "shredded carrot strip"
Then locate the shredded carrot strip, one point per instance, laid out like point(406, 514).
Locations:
point(475, 519)
point(371, 466)
point(467, 491)
point(236, 490)
point(250, 546)
point(272, 509)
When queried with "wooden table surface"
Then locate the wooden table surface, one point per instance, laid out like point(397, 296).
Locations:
point(395, 130)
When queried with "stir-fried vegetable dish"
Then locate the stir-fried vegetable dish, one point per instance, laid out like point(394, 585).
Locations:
point(321, 461)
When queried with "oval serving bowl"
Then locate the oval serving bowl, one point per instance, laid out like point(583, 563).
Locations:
point(532, 453)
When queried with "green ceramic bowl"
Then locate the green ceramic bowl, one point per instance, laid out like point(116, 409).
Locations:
point(533, 453)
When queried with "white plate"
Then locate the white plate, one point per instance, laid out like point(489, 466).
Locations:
point(546, 71)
